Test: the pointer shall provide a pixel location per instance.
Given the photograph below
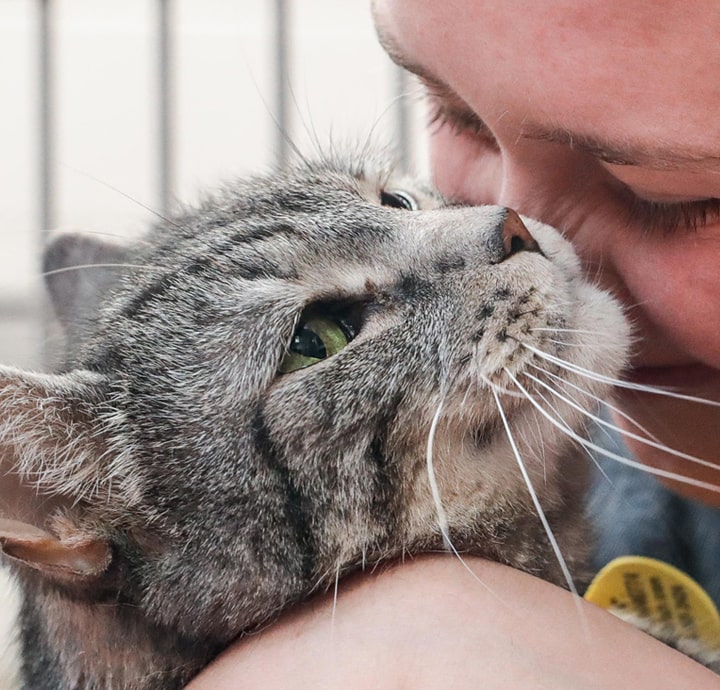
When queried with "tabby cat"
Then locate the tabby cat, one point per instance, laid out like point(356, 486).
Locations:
point(312, 372)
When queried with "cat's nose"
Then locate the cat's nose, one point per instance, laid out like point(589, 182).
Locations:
point(515, 236)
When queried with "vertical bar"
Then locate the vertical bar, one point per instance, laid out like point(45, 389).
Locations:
point(46, 163)
point(46, 120)
point(402, 118)
point(165, 106)
point(282, 82)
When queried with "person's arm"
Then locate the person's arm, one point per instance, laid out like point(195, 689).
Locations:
point(429, 624)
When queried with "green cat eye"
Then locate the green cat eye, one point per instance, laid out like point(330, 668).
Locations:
point(314, 340)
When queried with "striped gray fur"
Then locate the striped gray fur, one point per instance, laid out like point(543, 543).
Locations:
point(207, 491)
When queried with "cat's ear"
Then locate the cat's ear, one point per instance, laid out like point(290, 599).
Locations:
point(79, 268)
point(52, 447)
point(59, 559)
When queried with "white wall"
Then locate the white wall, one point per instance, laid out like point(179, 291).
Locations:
point(106, 114)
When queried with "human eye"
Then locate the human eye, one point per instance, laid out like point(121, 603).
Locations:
point(447, 109)
point(672, 217)
point(460, 121)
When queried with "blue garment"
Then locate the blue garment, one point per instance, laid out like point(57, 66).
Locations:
point(634, 514)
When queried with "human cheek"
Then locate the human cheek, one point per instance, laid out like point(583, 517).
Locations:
point(675, 282)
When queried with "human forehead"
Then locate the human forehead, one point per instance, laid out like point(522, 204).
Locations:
point(643, 70)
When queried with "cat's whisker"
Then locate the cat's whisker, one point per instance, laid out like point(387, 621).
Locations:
point(81, 267)
point(559, 416)
point(565, 330)
point(437, 500)
point(565, 343)
point(464, 402)
point(129, 197)
point(114, 235)
point(541, 513)
point(619, 383)
point(628, 434)
point(434, 490)
point(515, 394)
point(602, 401)
point(307, 123)
point(665, 474)
point(282, 130)
point(501, 389)
point(602, 429)
point(367, 146)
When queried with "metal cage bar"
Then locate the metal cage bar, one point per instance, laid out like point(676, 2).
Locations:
point(165, 73)
point(281, 76)
point(46, 118)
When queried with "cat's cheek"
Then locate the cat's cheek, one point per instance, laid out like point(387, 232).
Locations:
point(604, 334)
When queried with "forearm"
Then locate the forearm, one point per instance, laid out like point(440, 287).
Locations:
point(430, 624)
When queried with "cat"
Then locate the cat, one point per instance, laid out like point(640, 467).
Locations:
point(314, 371)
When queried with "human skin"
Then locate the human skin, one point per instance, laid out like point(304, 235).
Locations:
point(430, 624)
point(598, 117)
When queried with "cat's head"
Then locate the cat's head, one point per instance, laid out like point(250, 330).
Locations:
point(251, 407)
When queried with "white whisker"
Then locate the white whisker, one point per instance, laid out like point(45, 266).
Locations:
point(564, 343)
point(85, 266)
point(541, 513)
point(504, 391)
point(567, 429)
point(614, 456)
point(434, 490)
point(629, 434)
point(618, 382)
point(116, 236)
point(610, 406)
point(441, 514)
point(127, 196)
point(566, 330)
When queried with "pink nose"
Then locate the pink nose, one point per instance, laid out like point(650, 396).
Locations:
point(515, 236)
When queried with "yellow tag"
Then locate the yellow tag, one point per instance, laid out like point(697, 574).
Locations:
point(658, 591)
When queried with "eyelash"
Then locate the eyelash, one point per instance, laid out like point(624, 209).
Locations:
point(668, 218)
point(439, 115)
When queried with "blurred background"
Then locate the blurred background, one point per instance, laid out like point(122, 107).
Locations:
point(114, 109)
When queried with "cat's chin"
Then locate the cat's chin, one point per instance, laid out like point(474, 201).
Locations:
point(484, 435)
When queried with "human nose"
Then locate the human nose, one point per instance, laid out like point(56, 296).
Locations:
point(552, 186)
point(543, 180)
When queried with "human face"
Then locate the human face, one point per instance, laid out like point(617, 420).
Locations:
point(599, 117)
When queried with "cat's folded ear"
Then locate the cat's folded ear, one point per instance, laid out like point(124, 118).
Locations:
point(57, 558)
point(52, 446)
point(79, 268)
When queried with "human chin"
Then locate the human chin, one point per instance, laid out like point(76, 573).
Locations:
point(660, 362)
point(699, 378)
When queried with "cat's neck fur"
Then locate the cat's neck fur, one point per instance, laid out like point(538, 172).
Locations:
point(80, 645)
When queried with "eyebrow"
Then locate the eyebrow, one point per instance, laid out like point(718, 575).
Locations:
point(646, 155)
